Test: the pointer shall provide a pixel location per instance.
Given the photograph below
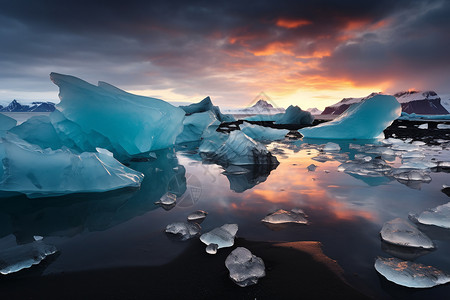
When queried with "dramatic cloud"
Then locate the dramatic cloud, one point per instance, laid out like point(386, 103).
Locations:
point(300, 51)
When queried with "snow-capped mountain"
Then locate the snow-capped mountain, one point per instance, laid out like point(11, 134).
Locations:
point(260, 107)
point(15, 106)
point(425, 103)
point(314, 111)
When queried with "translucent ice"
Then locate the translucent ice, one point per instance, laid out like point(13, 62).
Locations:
point(35, 172)
point(245, 268)
point(331, 147)
point(238, 149)
point(261, 133)
point(133, 123)
point(404, 233)
point(411, 175)
point(295, 115)
point(410, 274)
point(282, 216)
point(197, 215)
point(184, 230)
point(438, 216)
point(18, 257)
point(195, 125)
point(211, 249)
point(167, 199)
point(222, 236)
point(6, 122)
point(207, 105)
point(364, 120)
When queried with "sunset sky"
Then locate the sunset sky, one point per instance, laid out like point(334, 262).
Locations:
point(308, 53)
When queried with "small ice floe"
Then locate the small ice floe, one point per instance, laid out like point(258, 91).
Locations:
point(411, 175)
point(311, 167)
point(417, 163)
point(363, 157)
point(282, 216)
point(354, 146)
point(443, 126)
point(197, 215)
point(321, 158)
point(331, 147)
point(245, 268)
point(212, 248)
point(423, 126)
point(183, 230)
point(405, 147)
point(222, 236)
point(410, 274)
point(403, 233)
point(18, 257)
point(167, 199)
point(374, 168)
point(412, 154)
point(438, 216)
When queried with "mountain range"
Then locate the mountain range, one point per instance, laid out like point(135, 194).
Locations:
point(15, 106)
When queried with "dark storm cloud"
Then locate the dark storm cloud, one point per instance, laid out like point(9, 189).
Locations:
point(214, 47)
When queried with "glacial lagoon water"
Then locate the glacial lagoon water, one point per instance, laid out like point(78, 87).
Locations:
point(345, 213)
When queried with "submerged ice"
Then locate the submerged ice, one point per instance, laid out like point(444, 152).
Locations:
point(364, 120)
point(244, 267)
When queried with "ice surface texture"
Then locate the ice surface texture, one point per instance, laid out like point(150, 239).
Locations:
point(245, 268)
point(222, 236)
point(195, 125)
point(18, 257)
point(6, 122)
point(410, 274)
point(282, 216)
point(365, 120)
point(33, 171)
point(438, 216)
point(295, 115)
point(184, 230)
point(261, 133)
point(236, 149)
point(134, 124)
point(403, 233)
point(207, 105)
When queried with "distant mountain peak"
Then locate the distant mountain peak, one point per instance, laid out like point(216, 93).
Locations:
point(262, 104)
point(15, 106)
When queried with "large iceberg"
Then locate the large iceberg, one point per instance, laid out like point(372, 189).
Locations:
point(245, 268)
point(195, 125)
point(6, 122)
point(261, 133)
point(295, 115)
point(410, 274)
point(131, 123)
point(207, 105)
point(236, 148)
point(364, 120)
point(34, 171)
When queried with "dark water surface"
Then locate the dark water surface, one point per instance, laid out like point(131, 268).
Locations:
point(126, 228)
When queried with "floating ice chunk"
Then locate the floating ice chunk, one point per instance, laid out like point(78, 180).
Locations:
point(197, 215)
point(443, 126)
point(419, 143)
point(245, 268)
point(167, 199)
point(417, 163)
point(363, 157)
point(207, 105)
point(331, 147)
point(261, 133)
point(6, 123)
point(438, 216)
point(380, 151)
point(372, 168)
point(404, 233)
point(211, 248)
point(16, 258)
point(107, 110)
point(311, 167)
point(222, 236)
point(36, 172)
point(184, 230)
point(413, 154)
point(282, 216)
point(423, 126)
point(364, 120)
point(195, 125)
point(238, 149)
point(410, 274)
point(295, 115)
point(411, 175)
point(405, 147)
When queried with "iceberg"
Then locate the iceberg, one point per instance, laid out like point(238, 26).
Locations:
point(37, 172)
point(204, 106)
point(18, 257)
point(364, 120)
point(295, 115)
point(244, 267)
point(261, 133)
point(403, 233)
point(237, 149)
point(6, 123)
point(184, 231)
point(134, 124)
point(282, 216)
point(438, 216)
point(410, 274)
point(195, 125)
point(222, 236)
